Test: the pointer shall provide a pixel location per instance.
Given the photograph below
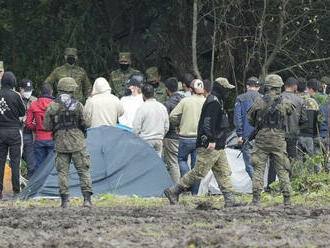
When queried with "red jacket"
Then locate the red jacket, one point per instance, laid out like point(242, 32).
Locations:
point(35, 116)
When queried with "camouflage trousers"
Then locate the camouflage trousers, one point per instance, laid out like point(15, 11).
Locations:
point(81, 162)
point(215, 160)
point(171, 147)
point(264, 148)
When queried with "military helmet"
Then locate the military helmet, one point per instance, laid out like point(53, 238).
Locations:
point(152, 74)
point(273, 80)
point(67, 84)
point(70, 51)
point(325, 80)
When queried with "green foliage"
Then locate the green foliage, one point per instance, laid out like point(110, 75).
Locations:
point(315, 182)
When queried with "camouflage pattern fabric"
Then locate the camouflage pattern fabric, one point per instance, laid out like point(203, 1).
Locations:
point(270, 142)
point(310, 103)
point(160, 93)
point(215, 160)
point(71, 140)
point(171, 148)
point(82, 164)
point(117, 80)
point(80, 76)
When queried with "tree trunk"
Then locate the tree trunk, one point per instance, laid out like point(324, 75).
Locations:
point(194, 37)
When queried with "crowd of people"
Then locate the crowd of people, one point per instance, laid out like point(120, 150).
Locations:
point(183, 120)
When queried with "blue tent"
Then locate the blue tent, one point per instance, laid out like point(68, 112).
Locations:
point(122, 164)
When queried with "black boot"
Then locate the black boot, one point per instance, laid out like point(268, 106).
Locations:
point(172, 193)
point(64, 200)
point(287, 200)
point(231, 201)
point(87, 199)
point(256, 199)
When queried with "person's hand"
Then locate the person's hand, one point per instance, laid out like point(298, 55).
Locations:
point(240, 140)
point(210, 147)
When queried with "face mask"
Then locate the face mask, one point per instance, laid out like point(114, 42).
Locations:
point(124, 67)
point(27, 94)
point(71, 60)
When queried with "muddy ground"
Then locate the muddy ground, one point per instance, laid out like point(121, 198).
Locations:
point(164, 226)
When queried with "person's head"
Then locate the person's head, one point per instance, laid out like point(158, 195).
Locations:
point(124, 60)
point(2, 70)
point(135, 83)
point(70, 55)
point(186, 81)
point(8, 80)
point(152, 75)
point(221, 87)
point(66, 85)
point(253, 83)
point(207, 87)
point(148, 91)
point(26, 88)
point(273, 83)
point(171, 85)
point(302, 84)
point(325, 83)
point(100, 85)
point(197, 86)
point(313, 86)
point(46, 89)
point(291, 84)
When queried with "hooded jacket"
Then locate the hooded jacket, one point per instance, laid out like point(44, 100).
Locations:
point(35, 116)
point(102, 107)
point(11, 103)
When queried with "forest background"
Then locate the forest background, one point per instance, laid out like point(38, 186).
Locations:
point(211, 38)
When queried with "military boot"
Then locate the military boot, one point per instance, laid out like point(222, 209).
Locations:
point(287, 200)
point(256, 199)
point(172, 193)
point(87, 199)
point(64, 200)
point(231, 201)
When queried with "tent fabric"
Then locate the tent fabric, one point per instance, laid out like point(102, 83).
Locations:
point(122, 164)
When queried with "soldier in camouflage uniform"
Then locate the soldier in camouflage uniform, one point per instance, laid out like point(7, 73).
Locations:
point(212, 132)
point(118, 78)
point(70, 69)
point(64, 117)
point(267, 115)
point(153, 78)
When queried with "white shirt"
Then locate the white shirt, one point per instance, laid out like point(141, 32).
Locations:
point(130, 104)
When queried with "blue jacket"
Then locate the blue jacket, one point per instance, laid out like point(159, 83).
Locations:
point(242, 105)
point(322, 100)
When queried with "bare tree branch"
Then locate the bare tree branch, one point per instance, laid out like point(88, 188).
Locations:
point(301, 64)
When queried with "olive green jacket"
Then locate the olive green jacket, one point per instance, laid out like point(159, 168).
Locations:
point(117, 80)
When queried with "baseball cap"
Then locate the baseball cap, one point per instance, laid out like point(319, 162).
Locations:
point(253, 81)
point(71, 51)
point(198, 86)
point(224, 83)
point(26, 84)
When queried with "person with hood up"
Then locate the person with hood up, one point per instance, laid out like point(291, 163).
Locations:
point(103, 107)
point(43, 143)
point(11, 109)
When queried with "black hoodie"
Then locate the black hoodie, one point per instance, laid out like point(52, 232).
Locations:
point(11, 103)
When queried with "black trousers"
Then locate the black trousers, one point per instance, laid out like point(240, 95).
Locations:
point(10, 140)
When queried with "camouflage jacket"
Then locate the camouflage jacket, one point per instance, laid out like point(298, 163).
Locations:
point(160, 93)
point(79, 74)
point(256, 113)
point(70, 140)
point(117, 80)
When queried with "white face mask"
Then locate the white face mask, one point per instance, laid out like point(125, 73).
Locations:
point(27, 94)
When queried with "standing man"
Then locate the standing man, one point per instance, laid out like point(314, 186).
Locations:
point(151, 120)
point(153, 78)
point(65, 118)
point(268, 114)
point(25, 90)
point(11, 109)
point(212, 132)
point(243, 128)
point(71, 69)
point(171, 140)
point(185, 116)
point(43, 143)
point(118, 78)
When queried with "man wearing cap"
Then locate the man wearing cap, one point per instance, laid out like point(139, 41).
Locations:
point(243, 128)
point(212, 132)
point(71, 69)
point(185, 117)
point(2, 71)
point(268, 114)
point(25, 90)
point(154, 78)
point(132, 102)
point(11, 109)
point(118, 78)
